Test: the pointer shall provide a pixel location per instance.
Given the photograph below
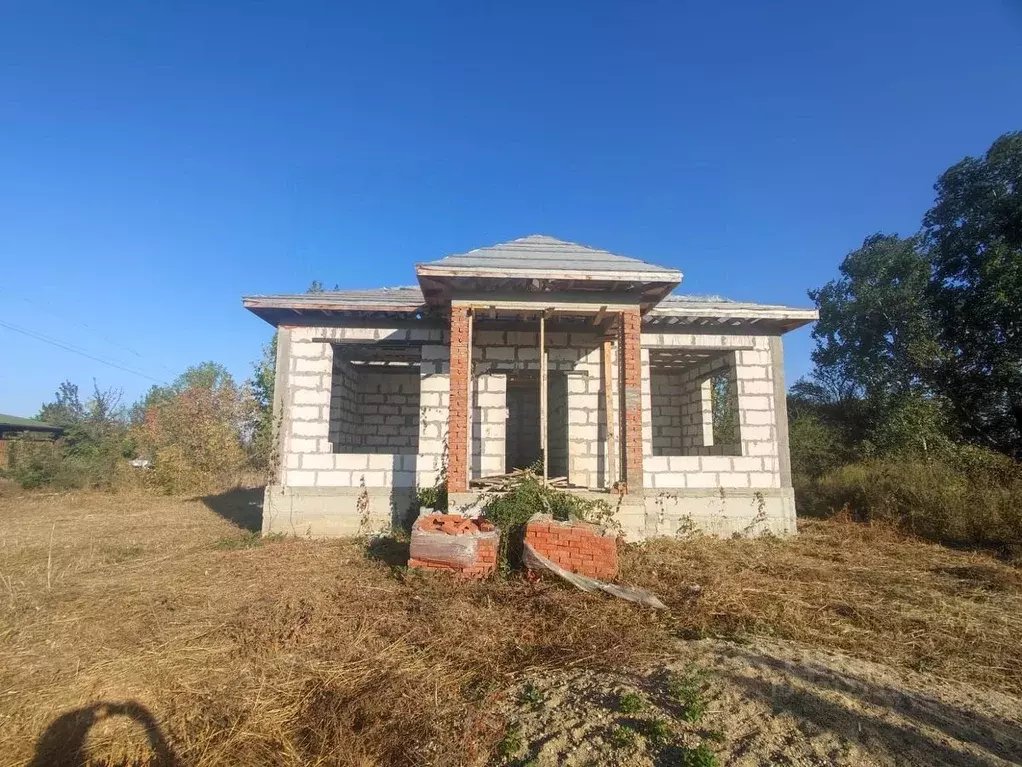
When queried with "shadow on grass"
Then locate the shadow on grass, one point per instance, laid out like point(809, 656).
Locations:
point(65, 741)
point(390, 551)
point(930, 723)
point(242, 507)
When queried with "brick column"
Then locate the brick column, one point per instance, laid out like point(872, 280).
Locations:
point(457, 424)
point(631, 395)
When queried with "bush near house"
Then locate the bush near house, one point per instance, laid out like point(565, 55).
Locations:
point(978, 504)
point(198, 432)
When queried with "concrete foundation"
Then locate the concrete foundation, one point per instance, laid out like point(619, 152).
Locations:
point(674, 513)
point(334, 512)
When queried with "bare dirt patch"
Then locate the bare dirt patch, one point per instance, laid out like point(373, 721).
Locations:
point(771, 703)
point(156, 630)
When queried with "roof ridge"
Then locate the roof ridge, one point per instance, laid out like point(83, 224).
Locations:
point(530, 251)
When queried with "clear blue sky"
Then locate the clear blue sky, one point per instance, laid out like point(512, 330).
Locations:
point(159, 160)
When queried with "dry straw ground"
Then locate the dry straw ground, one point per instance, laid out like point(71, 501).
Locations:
point(140, 628)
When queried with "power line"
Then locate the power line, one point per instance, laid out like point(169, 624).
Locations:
point(97, 332)
point(62, 345)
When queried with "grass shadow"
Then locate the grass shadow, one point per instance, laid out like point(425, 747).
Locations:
point(388, 550)
point(242, 507)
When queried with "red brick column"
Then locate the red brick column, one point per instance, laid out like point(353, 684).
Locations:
point(457, 423)
point(631, 395)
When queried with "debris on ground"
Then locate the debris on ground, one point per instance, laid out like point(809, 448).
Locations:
point(536, 561)
point(508, 480)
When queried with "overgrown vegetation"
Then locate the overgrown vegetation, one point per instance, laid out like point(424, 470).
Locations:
point(306, 651)
point(913, 411)
point(198, 434)
point(511, 510)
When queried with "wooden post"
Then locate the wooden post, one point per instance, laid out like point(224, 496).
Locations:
point(608, 416)
point(543, 395)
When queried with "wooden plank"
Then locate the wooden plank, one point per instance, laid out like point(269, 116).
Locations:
point(608, 410)
point(543, 396)
point(578, 303)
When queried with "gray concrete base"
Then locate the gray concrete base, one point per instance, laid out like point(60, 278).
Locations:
point(334, 511)
point(672, 513)
point(720, 512)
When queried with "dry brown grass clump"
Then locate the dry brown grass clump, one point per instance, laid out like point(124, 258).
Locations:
point(209, 645)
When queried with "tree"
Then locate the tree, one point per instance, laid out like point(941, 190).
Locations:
point(66, 409)
point(973, 235)
point(93, 442)
point(261, 386)
point(874, 337)
point(875, 354)
point(194, 428)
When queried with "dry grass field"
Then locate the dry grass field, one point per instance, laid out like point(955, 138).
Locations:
point(147, 630)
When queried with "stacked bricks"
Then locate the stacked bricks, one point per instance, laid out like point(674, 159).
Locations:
point(457, 428)
point(576, 546)
point(631, 417)
point(451, 543)
point(318, 411)
point(387, 419)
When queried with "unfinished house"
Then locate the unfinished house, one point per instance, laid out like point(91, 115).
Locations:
point(536, 352)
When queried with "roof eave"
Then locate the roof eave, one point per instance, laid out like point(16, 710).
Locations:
point(780, 318)
point(620, 275)
point(258, 302)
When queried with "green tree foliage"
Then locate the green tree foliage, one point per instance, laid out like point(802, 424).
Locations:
point(974, 240)
point(90, 449)
point(194, 429)
point(66, 409)
point(261, 387)
point(919, 341)
point(918, 354)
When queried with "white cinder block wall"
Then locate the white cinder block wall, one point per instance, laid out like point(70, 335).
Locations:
point(342, 428)
point(758, 464)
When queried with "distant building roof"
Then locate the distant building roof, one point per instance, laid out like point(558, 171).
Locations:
point(13, 423)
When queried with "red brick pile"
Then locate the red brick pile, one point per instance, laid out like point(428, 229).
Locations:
point(453, 524)
point(575, 546)
point(454, 544)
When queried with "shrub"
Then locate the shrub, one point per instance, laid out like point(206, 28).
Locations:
point(192, 429)
point(686, 690)
point(621, 736)
point(511, 510)
point(973, 497)
point(32, 463)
